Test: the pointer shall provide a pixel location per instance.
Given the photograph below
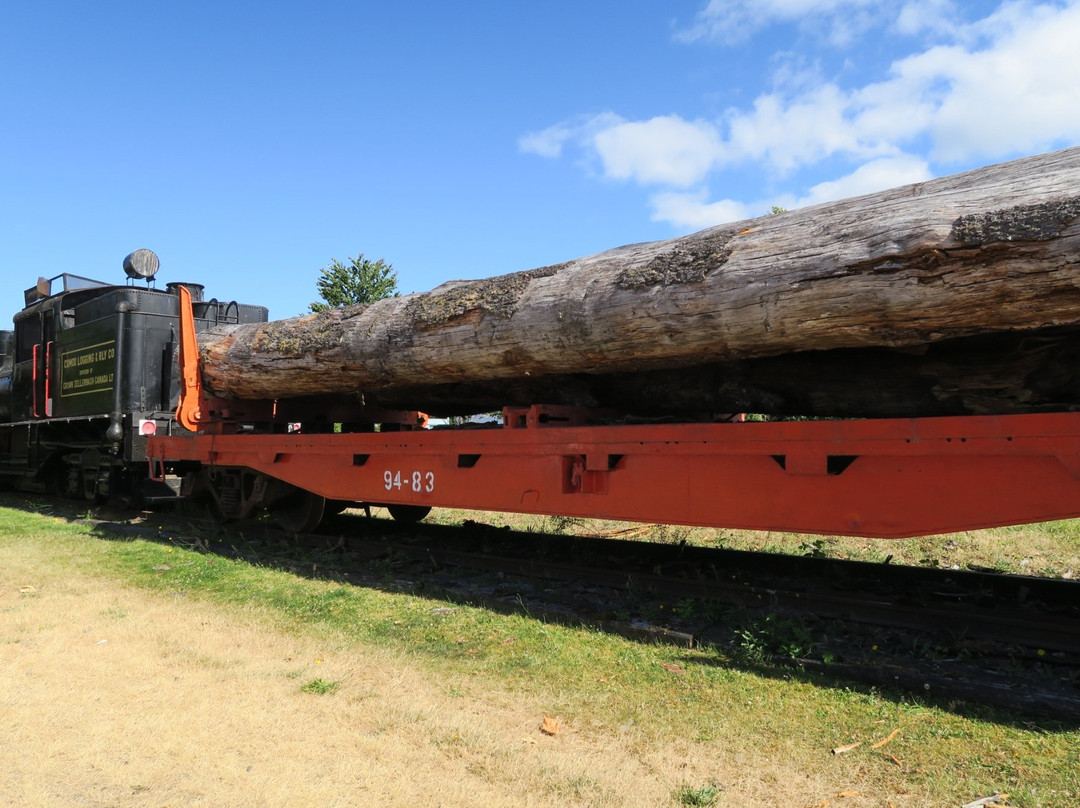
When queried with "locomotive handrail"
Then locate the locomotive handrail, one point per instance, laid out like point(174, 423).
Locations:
point(156, 471)
point(41, 376)
point(48, 378)
point(34, 381)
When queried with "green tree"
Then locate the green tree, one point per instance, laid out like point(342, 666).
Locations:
point(359, 281)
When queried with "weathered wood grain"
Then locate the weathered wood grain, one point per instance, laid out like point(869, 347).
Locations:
point(956, 295)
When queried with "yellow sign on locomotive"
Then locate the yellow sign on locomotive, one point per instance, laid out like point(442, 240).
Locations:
point(88, 370)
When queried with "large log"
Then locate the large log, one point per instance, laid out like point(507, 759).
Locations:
point(957, 295)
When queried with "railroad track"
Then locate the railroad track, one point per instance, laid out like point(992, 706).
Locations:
point(974, 636)
point(1041, 614)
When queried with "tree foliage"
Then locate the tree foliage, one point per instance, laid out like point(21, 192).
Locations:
point(359, 281)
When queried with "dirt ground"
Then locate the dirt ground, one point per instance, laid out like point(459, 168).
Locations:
point(112, 696)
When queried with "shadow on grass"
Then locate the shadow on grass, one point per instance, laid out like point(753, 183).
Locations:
point(370, 553)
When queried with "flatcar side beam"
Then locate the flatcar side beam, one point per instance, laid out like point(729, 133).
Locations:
point(874, 478)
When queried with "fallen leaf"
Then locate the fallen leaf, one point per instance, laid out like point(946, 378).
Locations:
point(893, 759)
point(849, 794)
point(549, 726)
point(27, 590)
point(847, 748)
point(886, 739)
point(672, 667)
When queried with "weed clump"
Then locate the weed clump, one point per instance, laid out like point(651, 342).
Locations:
point(320, 687)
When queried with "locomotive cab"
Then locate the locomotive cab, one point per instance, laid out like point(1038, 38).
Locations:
point(48, 333)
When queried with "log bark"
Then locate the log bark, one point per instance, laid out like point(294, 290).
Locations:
point(957, 295)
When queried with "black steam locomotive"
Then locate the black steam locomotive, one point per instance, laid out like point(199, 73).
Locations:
point(90, 371)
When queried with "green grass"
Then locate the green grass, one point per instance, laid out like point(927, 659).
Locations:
point(320, 687)
point(698, 797)
point(596, 681)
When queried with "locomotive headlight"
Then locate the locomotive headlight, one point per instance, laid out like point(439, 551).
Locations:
point(141, 264)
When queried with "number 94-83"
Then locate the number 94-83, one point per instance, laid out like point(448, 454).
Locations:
point(416, 481)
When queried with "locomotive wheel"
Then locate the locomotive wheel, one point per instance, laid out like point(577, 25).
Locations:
point(408, 514)
point(299, 512)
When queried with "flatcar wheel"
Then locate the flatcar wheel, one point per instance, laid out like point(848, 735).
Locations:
point(299, 512)
point(409, 514)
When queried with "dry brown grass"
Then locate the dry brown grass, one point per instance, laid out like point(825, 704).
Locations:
point(112, 696)
point(195, 698)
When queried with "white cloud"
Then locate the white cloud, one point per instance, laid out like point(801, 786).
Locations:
point(665, 150)
point(877, 175)
point(550, 142)
point(547, 142)
point(691, 211)
point(839, 21)
point(1019, 94)
point(1014, 95)
point(1000, 87)
point(789, 134)
point(920, 16)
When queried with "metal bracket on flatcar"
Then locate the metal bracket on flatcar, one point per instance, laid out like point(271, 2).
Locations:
point(189, 411)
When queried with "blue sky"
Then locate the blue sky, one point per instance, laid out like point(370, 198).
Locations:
point(249, 143)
